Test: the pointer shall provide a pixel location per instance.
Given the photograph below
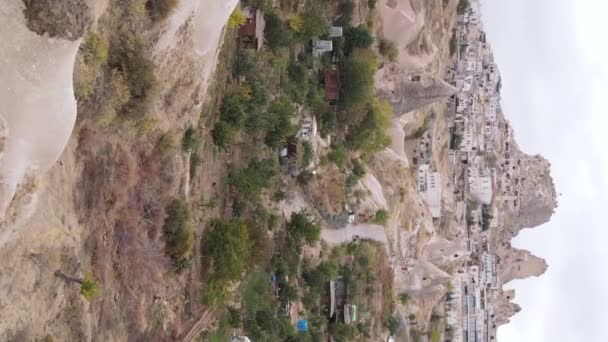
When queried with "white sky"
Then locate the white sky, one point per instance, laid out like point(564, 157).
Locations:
point(553, 58)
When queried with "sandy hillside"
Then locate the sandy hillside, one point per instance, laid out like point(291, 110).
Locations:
point(38, 126)
point(42, 171)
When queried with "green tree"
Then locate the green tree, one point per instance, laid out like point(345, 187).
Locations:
point(228, 244)
point(357, 37)
point(357, 79)
point(232, 110)
point(251, 180)
point(301, 226)
point(314, 23)
point(369, 135)
point(346, 9)
point(278, 122)
point(276, 33)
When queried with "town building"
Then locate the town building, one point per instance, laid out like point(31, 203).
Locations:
point(330, 78)
point(429, 186)
point(251, 33)
point(320, 47)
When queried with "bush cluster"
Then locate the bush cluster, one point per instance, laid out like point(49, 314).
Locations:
point(179, 234)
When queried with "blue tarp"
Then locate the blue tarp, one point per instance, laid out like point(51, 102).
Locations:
point(302, 325)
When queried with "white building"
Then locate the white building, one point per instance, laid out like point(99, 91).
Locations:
point(308, 128)
point(320, 47)
point(491, 109)
point(429, 186)
point(480, 186)
point(489, 270)
point(469, 136)
point(335, 31)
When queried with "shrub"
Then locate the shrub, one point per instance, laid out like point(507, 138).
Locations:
point(95, 49)
point(257, 176)
point(357, 173)
point(119, 96)
point(260, 243)
point(160, 9)
point(388, 49)
point(369, 135)
point(295, 23)
point(404, 298)
point(127, 56)
point(246, 63)
point(89, 288)
point(182, 265)
point(371, 4)
point(298, 75)
point(179, 234)
point(273, 221)
point(145, 125)
point(392, 324)
point(453, 44)
point(305, 177)
point(190, 142)
point(234, 317)
point(338, 155)
point(166, 142)
point(215, 293)
point(222, 134)
point(326, 118)
point(263, 5)
point(358, 168)
point(237, 18)
point(342, 332)
point(424, 127)
point(357, 37)
point(381, 217)
point(229, 247)
point(307, 154)
point(463, 5)
point(455, 140)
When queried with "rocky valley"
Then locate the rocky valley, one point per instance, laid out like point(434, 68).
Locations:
point(287, 170)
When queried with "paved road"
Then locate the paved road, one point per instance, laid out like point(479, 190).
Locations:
point(350, 232)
